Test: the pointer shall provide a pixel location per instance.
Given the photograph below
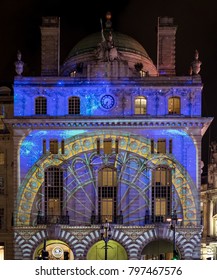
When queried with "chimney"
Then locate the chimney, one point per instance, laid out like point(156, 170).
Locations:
point(50, 46)
point(166, 43)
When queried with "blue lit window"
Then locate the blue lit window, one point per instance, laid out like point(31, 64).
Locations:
point(161, 194)
point(107, 188)
point(174, 105)
point(74, 105)
point(140, 105)
point(40, 106)
point(53, 191)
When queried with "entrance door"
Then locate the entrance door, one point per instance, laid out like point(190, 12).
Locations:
point(158, 250)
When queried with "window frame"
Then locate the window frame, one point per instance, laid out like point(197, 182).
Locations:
point(41, 105)
point(53, 189)
point(74, 105)
point(107, 193)
point(161, 193)
point(174, 109)
point(140, 109)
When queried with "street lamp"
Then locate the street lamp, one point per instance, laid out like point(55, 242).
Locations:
point(106, 234)
point(173, 220)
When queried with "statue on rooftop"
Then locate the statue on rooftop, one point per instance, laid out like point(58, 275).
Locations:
point(19, 64)
point(106, 50)
point(195, 65)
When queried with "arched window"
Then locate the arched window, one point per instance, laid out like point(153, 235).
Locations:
point(40, 106)
point(74, 105)
point(161, 194)
point(53, 191)
point(107, 194)
point(174, 105)
point(140, 105)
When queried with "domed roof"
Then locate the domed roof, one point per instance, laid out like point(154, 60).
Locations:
point(125, 48)
point(122, 43)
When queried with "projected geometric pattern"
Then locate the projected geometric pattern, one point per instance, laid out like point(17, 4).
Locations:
point(80, 165)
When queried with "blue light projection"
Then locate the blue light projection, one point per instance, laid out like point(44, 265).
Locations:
point(31, 148)
point(134, 165)
point(157, 100)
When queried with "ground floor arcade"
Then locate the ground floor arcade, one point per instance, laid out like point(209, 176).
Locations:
point(126, 243)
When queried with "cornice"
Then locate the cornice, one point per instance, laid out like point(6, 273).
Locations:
point(112, 122)
point(159, 81)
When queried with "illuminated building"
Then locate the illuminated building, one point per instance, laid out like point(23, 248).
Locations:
point(107, 135)
point(209, 208)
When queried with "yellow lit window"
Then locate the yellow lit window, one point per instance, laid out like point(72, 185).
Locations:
point(174, 105)
point(140, 105)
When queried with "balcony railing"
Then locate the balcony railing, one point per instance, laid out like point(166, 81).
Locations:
point(99, 219)
point(52, 219)
point(155, 219)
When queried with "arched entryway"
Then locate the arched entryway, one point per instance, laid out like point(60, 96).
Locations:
point(57, 250)
point(158, 250)
point(115, 251)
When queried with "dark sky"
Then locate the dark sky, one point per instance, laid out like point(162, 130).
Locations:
point(20, 22)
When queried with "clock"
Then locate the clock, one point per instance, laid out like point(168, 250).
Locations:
point(57, 252)
point(107, 101)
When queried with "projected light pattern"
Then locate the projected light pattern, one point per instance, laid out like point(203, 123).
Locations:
point(81, 164)
point(31, 148)
point(91, 94)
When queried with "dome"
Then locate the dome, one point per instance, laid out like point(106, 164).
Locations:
point(122, 43)
point(130, 51)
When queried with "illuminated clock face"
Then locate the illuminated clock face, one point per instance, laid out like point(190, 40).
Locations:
point(107, 101)
point(57, 252)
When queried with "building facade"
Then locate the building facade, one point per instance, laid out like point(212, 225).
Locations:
point(6, 176)
point(209, 207)
point(107, 137)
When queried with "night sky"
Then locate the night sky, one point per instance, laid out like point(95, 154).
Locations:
point(20, 22)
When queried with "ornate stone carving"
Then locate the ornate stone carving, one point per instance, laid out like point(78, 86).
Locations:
point(19, 64)
point(195, 65)
point(106, 50)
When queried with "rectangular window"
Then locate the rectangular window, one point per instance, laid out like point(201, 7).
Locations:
point(2, 185)
point(160, 206)
point(161, 194)
point(44, 147)
point(63, 147)
point(2, 158)
point(2, 249)
point(1, 218)
point(98, 146)
point(161, 146)
point(152, 146)
point(116, 146)
point(54, 146)
point(2, 111)
point(74, 105)
point(107, 147)
point(40, 106)
point(54, 206)
point(2, 126)
point(170, 146)
point(107, 209)
point(140, 105)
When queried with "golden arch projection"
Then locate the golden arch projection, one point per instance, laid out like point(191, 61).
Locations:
point(115, 251)
point(132, 144)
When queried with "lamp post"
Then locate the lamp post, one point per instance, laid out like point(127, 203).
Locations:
point(173, 220)
point(106, 234)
